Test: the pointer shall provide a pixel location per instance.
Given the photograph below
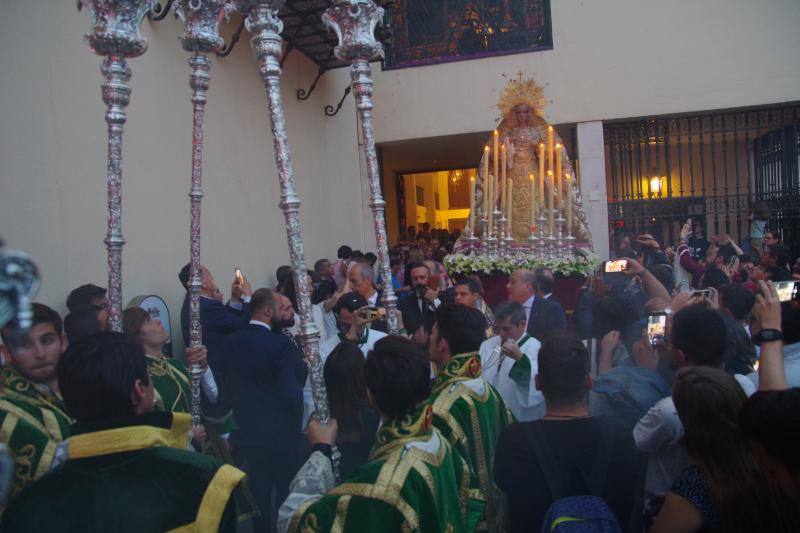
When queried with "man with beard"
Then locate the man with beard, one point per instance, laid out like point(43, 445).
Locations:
point(419, 307)
point(265, 374)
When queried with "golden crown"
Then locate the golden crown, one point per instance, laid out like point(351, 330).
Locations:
point(522, 91)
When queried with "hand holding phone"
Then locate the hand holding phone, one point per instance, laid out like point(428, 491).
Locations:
point(656, 327)
point(615, 267)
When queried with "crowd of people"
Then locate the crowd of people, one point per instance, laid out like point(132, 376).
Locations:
point(511, 417)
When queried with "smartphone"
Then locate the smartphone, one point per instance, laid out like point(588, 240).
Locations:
point(239, 276)
point(786, 290)
point(705, 293)
point(656, 327)
point(613, 267)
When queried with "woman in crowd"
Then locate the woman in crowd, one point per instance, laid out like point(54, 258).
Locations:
point(347, 398)
point(726, 489)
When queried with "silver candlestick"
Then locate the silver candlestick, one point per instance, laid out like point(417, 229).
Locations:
point(263, 23)
point(502, 232)
point(115, 34)
point(354, 22)
point(560, 237)
point(542, 234)
point(551, 241)
point(484, 224)
point(201, 20)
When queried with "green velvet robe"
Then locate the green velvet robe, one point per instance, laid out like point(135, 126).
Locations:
point(33, 421)
point(470, 414)
point(130, 475)
point(401, 488)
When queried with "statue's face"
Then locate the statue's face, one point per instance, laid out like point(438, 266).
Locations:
point(522, 114)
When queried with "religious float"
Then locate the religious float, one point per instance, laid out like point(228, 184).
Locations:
point(525, 203)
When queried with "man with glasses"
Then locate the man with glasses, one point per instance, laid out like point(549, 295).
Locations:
point(509, 362)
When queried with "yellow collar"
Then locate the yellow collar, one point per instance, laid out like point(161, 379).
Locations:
point(131, 438)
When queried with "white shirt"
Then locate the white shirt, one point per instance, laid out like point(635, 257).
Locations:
point(528, 305)
point(658, 433)
point(262, 324)
point(325, 349)
point(318, 316)
point(525, 402)
point(373, 300)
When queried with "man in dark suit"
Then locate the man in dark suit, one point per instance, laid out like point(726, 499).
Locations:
point(216, 319)
point(545, 284)
point(419, 307)
point(265, 374)
point(543, 316)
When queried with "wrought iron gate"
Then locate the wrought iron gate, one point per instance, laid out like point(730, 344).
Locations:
point(711, 167)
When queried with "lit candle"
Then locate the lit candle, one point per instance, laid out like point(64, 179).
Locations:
point(496, 154)
point(541, 175)
point(550, 161)
point(491, 204)
point(560, 197)
point(533, 200)
point(503, 181)
point(569, 204)
point(510, 200)
point(472, 204)
point(550, 201)
point(485, 177)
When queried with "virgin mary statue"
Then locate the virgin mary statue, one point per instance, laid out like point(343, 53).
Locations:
point(522, 128)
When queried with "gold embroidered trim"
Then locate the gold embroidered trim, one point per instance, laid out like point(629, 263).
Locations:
point(131, 438)
point(341, 514)
point(215, 499)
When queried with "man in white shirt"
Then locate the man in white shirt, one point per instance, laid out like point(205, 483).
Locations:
point(697, 337)
point(355, 328)
point(509, 363)
point(361, 278)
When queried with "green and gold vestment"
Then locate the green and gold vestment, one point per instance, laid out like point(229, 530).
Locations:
point(470, 414)
point(412, 482)
point(33, 421)
point(130, 476)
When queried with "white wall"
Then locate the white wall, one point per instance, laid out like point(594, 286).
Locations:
point(53, 154)
point(612, 59)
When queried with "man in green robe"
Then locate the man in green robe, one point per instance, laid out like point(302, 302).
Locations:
point(466, 409)
point(412, 482)
point(128, 468)
point(33, 419)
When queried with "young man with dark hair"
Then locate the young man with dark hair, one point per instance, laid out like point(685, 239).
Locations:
point(128, 467)
point(85, 321)
point(265, 373)
point(354, 327)
point(509, 362)
point(696, 336)
point(466, 409)
point(85, 296)
point(777, 256)
point(469, 291)
point(32, 414)
point(568, 452)
point(413, 480)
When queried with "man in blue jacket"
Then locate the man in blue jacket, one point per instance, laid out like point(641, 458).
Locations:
point(265, 374)
point(216, 319)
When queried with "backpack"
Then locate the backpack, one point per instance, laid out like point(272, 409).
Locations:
point(575, 514)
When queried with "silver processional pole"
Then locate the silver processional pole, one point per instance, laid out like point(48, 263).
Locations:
point(201, 20)
point(354, 22)
point(115, 35)
point(263, 23)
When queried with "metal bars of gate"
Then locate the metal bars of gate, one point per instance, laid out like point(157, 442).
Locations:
point(711, 167)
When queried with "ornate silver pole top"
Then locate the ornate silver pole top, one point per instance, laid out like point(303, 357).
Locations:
point(354, 22)
point(115, 26)
point(19, 282)
point(201, 20)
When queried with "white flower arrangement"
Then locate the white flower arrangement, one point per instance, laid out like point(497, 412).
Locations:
point(584, 264)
